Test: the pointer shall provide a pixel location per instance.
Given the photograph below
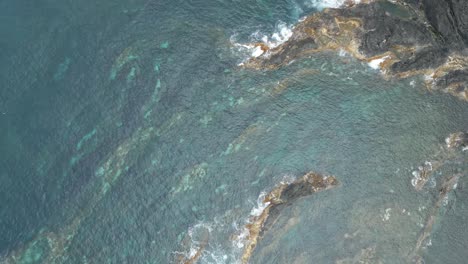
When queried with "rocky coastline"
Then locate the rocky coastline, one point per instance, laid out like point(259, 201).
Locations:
point(260, 223)
point(401, 37)
point(281, 196)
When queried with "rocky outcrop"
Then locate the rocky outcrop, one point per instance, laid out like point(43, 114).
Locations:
point(403, 38)
point(448, 184)
point(457, 140)
point(450, 154)
point(196, 242)
point(280, 197)
point(448, 19)
point(455, 143)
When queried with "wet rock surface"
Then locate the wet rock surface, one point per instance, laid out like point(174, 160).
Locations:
point(457, 140)
point(448, 184)
point(449, 19)
point(278, 199)
point(426, 37)
point(456, 144)
point(195, 243)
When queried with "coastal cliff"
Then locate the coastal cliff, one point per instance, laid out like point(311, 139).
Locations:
point(403, 38)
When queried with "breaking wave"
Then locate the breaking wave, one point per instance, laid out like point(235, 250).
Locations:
point(259, 42)
point(321, 4)
point(222, 240)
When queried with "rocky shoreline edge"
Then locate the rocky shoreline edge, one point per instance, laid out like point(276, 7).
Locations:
point(403, 38)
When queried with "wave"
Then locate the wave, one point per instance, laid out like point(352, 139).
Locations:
point(321, 4)
point(218, 242)
point(375, 63)
point(224, 239)
point(260, 42)
point(208, 244)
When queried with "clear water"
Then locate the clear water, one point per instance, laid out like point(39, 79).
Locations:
point(127, 125)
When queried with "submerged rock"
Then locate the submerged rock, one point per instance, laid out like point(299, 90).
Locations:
point(403, 38)
point(195, 249)
point(281, 196)
point(457, 140)
point(455, 143)
point(448, 184)
point(198, 242)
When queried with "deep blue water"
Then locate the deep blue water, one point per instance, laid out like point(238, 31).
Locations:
point(126, 124)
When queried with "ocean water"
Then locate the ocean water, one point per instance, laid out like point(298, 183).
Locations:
point(130, 134)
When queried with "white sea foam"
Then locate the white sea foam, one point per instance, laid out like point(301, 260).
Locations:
point(321, 4)
point(430, 79)
point(342, 53)
point(375, 63)
point(282, 34)
point(429, 243)
point(242, 232)
point(386, 215)
point(257, 52)
point(260, 41)
point(260, 206)
point(288, 179)
point(445, 200)
point(197, 234)
point(219, 231)
point(428, 165)
point(216, 251)
point(416, 178)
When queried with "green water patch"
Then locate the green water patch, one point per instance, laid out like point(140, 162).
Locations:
point(157, 66)
point(85, 138)
point(196, 174)
point(128, 55)
point(36, 252)
point(147, 109)
point(164, 45)
point(132, 74)
point(62, 69)
point(85, 146)
point(156, 94)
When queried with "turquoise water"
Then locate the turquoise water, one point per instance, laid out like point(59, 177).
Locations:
point(128, 125)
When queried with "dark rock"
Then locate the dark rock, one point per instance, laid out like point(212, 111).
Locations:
point(450, 19)
point(382, 29)
point(428, 58)
point(281, 196)
point(457, 76)
point(294, 48)
point(411, 37)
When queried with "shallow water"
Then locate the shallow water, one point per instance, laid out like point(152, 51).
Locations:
point(127, 126)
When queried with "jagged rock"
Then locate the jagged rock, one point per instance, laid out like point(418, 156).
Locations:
point(408, 37)
point(281, 196)
point(447, 185)
point(449, 18)
point(457, 140)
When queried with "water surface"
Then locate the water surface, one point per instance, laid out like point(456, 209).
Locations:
point(128, 125)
